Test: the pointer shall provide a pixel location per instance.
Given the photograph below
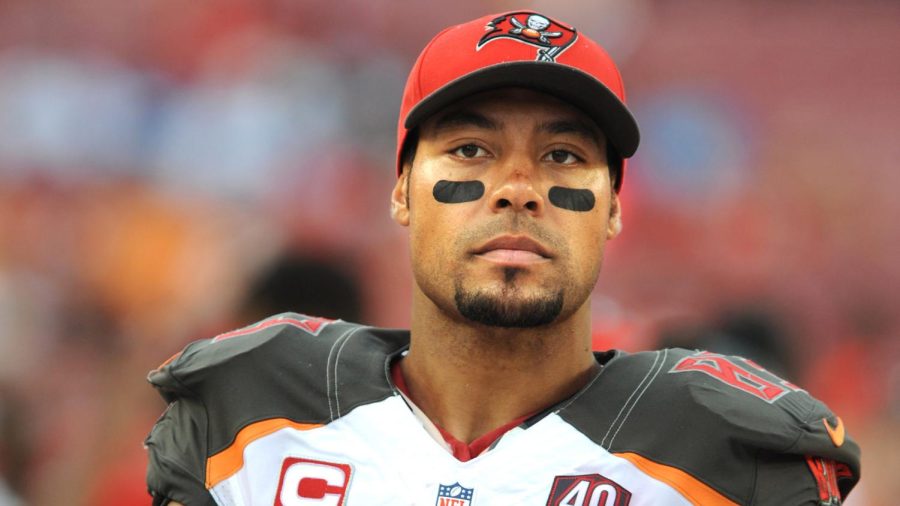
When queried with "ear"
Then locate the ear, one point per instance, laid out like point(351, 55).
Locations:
point(400, 199)
point(614, 225)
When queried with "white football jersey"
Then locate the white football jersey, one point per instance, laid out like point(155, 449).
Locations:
point(301, 411)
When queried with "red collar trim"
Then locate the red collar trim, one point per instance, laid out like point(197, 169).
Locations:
point(461, 451)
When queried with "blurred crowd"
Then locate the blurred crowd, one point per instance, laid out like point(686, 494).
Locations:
point(170, 170)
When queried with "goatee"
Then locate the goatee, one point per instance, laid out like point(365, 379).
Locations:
point(507, 308)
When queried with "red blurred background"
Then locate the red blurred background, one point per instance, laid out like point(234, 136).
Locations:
point(170, 170)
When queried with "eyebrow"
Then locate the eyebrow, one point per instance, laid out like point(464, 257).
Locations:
point(463, 118)
point(579, 128)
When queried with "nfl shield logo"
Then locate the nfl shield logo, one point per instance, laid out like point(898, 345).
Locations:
point(454, 495)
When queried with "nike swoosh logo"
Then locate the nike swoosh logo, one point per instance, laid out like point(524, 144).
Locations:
point(836, 433)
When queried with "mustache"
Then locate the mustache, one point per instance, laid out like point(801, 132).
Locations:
point(513, 224)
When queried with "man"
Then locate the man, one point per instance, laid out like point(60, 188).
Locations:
point(511, 142)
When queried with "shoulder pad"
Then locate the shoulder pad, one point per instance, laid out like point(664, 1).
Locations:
point(183, 373)
point(713, 416)
point(292, 366)
point(756, 408)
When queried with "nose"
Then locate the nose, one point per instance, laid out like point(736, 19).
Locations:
point(516, 191)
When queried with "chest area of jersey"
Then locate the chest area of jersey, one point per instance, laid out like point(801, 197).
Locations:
point(380, 454)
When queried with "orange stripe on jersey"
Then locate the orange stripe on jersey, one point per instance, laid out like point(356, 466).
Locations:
point(694, 490)
point(168, 361)
point(230, 460)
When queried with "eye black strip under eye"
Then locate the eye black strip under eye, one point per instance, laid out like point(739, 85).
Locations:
point(572, 199)
point(457, 192)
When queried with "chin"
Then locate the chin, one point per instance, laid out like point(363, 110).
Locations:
point(509, 308)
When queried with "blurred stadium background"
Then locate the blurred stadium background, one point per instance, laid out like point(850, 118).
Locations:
point(172, 169)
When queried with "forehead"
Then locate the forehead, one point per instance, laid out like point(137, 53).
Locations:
point(507, 105)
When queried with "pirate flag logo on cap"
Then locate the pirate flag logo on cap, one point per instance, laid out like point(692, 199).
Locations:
point(550, 37)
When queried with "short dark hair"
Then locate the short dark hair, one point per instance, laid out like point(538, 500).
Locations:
point(613, 159)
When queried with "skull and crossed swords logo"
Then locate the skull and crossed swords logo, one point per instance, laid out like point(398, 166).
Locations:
point(550, 37)
point(536, 28)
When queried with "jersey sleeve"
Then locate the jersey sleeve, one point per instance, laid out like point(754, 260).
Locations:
point(802, 452)
point(276, 368)
point(725, 424)
point(785, 479)
point(177, 444)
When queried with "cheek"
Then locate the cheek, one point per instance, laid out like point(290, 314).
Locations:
point(434, 215)
point(588, 237)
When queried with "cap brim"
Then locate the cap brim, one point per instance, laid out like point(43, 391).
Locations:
point(567, 83)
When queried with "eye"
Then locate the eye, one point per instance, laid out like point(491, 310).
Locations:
point(562, 157)
point(469, 151)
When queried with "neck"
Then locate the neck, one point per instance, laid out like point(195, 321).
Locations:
point(470, 379)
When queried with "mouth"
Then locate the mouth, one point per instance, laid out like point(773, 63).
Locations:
point(513, 250)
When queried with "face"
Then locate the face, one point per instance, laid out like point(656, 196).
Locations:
point(509, 205)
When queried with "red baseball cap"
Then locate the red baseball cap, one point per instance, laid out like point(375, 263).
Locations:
point(521, 49)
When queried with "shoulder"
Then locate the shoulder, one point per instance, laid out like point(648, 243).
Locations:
point(260, 341)
point(290, 354)
point(294, 367)
point(737, 398)
point(719, 418)
point(737, 393)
